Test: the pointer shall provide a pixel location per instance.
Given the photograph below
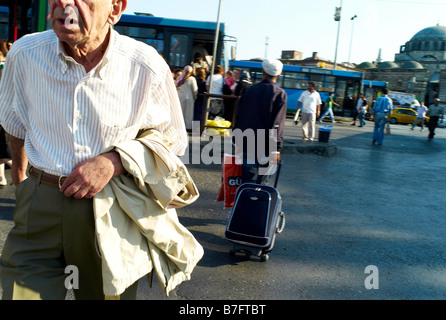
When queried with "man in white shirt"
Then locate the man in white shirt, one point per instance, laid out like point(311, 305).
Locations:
point(310, 102)
point(66, 95)
point(421, 115)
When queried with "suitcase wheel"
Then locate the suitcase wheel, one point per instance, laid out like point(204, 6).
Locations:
point(247, 254)
point(264, 257)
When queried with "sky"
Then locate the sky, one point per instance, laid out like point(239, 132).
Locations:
point(264, 28)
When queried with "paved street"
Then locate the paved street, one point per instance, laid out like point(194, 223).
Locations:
point(366, 205)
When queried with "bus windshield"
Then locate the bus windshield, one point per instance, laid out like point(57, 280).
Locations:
point(178, 41)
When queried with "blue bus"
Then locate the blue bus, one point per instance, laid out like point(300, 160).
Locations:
point(372, 89)
point(346, 85)
point(175, 39)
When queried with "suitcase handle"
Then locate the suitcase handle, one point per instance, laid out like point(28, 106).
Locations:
point(279, 166)
point(280, 228)
point(276, 180)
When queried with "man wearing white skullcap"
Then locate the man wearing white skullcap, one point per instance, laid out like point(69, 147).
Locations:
point(272, 67)
point(262, 110)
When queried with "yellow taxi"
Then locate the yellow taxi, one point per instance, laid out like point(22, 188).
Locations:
point(405, 115)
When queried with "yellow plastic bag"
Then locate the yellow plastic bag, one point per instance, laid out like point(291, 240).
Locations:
point(220, 124)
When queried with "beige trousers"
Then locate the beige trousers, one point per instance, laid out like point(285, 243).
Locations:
point(308, 125)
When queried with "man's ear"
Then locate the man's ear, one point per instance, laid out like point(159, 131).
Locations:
point(118, 7)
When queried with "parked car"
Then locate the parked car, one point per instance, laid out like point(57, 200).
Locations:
point(405, 115)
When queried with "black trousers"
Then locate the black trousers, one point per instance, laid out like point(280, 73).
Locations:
point(433, 121)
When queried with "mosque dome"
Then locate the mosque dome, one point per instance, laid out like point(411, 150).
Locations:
point(431, 39)
point(366, 65)
point(431, 33)
point(388, 65)
point(412, 65)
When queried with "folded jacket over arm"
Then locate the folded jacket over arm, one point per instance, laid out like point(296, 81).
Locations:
point(137, 226)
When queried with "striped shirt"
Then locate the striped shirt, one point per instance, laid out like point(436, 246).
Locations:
point(66, 115)
point(383, 104)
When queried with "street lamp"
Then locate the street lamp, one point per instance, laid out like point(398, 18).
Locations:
point(337, 18)
point(217, 31)
point(351, 39)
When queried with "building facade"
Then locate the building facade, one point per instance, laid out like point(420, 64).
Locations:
point(419, 67)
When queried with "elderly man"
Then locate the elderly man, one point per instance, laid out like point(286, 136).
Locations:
point(262, 111)
point(66, 95)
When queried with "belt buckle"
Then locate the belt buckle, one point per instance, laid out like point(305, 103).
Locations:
point(60, 180)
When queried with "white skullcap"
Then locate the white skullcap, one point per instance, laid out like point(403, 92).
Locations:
point(272, 67)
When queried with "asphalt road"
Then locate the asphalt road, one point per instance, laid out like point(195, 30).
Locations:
point(367, 205)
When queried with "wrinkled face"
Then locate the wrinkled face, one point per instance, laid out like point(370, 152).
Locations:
point(80, 21)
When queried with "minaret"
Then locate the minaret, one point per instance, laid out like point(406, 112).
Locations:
point(379, 59)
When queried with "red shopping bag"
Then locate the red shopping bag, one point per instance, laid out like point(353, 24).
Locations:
point(230, 181)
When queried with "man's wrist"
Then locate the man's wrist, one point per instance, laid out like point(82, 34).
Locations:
point(115, 160)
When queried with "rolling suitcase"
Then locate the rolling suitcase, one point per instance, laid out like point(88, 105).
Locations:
point(255, 219)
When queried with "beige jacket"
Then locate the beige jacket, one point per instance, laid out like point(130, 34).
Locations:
point(137, 226)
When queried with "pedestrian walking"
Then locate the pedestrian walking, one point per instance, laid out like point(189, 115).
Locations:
point(329, 102)
point(201, 84)
point(310, 101)
point(361, 115)
point(421, 115)
point(230, 79)
point(243, 83)
point(187, 92)
point(95, 89)
point(381, 109)
point(217, 106)
point(435, 114)
point(262, 108)
point(359, 104)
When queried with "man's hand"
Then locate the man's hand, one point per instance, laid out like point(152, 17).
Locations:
point(274, 158)
point(91, 176)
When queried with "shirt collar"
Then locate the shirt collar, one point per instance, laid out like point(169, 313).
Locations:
point(66, 60)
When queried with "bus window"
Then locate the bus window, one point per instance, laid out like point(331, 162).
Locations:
point(330, 83)
point(178, 51)
point(256, 76)
point(340, 94)
point(353, 88)
point(319, 80)
point(4, 23)
point(294, 80)
point(151, 36)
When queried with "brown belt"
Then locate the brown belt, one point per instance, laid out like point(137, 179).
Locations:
point(46, 178)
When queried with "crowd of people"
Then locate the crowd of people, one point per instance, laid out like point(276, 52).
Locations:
point(309, 109)
point(194, 81)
